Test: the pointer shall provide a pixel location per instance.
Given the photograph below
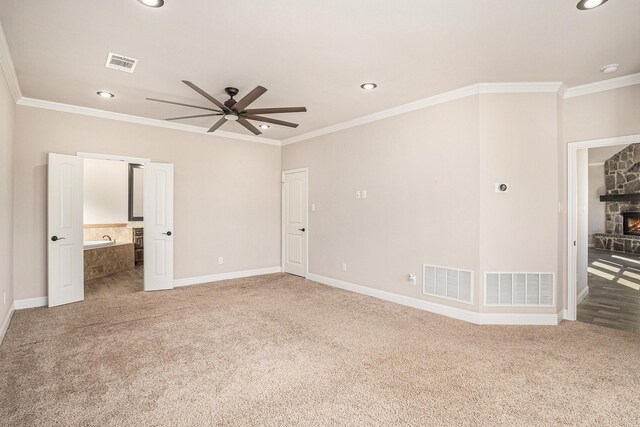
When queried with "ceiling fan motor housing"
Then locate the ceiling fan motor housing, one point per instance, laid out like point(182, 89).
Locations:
point(231, 91)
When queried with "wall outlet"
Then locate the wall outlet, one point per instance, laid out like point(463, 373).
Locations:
point(364, 194)
point(313, 207)
point(357, 194)
point(344, 266)
point(412, 279)
point(220, 260)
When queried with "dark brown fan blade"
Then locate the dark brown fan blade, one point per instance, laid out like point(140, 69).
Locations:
point(206, 95)
point(276, 110)
point(193, 117)
point(218, 124)
point(249, 98)
point(184, 105)
point(248, 125)
point(269, 120)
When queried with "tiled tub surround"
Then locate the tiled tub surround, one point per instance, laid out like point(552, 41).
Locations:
point(622, 176)
point(121, 233)
point(100, 262)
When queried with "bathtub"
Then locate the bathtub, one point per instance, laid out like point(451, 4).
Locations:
point(91, 244)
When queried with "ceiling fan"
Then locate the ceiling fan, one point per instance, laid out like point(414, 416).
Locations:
point(232, 110)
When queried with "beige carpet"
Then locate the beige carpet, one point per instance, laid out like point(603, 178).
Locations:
point(277, 350)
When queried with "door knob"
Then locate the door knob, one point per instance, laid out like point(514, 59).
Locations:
point(301, 229)
point(168, 233)
point(56, 238)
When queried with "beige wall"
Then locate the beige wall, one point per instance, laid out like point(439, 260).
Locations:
point(518, 145)
point(430, 177)
point(227, 192)
point(7, 111)
point(106, 192)
point(420, 171)
point(602, 115)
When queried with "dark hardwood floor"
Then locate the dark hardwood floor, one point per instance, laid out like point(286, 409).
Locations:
point(614, 291)
point(126, 282)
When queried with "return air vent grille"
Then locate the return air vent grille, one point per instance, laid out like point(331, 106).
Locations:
point(449, 283)
point(519, 289)
point(122, 63)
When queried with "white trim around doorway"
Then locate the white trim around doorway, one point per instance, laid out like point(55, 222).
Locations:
point(572, 217)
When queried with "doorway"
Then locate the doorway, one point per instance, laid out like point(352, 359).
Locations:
point(295, 223)
point(604, 248)
point(95, 224)
point(113, 228)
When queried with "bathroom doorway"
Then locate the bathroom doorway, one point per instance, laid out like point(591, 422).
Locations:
point(75, 229)
point(113, 228)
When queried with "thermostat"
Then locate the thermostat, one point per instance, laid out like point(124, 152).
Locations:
point(502, 187)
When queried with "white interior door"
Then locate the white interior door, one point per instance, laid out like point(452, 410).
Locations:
point(294, 222)
point(158, 226)
point(65, 242)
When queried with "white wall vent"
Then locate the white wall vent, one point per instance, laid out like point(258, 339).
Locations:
point(449, 283)
point(519, 289)
point(122, 63)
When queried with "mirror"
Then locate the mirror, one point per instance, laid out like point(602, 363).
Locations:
point(136, 182)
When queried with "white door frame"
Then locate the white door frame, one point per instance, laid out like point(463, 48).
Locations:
point(572, 209)
point(282, 222)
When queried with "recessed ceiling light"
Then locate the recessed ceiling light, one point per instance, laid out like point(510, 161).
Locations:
point(368, 86)
point(590, 4)
point(264, 126)
point(611, 68)
point(104, 94)
point(152, 3)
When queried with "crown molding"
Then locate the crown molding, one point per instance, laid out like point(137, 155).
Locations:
point(6, 63)
point(476, 89)
point(601, 86)
point(93, 112)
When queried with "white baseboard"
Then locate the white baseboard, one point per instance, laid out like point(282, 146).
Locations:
point(582, 295)
point(6, 321)
point(21, 304)
point(225, 276)
point(445, 310)
point(563, 315)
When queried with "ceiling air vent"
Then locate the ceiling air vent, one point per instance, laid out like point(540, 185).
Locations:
point(122, 63)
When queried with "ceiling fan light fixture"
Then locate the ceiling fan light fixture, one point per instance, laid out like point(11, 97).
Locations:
point(609, 69)
point(105, 94)
point(231, 117)
point(590, 4)
point(368, 86)
point(152, 3)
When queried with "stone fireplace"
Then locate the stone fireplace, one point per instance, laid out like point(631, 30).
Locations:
point(622, 199)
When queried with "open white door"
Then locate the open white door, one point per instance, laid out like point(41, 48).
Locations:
point(158, 226)
point(65, 257)
point(294, 222)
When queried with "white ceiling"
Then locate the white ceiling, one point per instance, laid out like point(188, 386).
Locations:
point(307, 52)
